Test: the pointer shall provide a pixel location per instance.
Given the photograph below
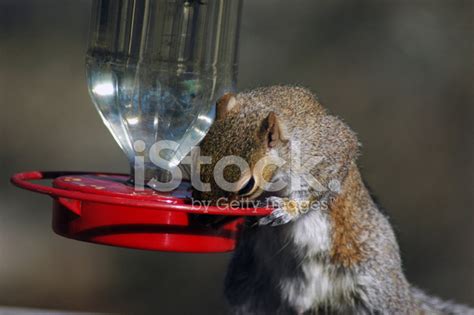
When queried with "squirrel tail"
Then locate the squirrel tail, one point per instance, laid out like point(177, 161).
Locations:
point(435, 305)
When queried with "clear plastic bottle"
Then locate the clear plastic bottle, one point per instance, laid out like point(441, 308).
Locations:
point(156, 67)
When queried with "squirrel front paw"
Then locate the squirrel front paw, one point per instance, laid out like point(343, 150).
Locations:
point(286, 210)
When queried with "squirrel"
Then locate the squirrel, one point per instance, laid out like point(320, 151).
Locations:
point(320, 251)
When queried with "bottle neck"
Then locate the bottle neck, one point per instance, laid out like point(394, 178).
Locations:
point(144, 175)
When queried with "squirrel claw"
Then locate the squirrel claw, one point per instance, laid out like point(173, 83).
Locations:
point(282, 220)
point(278, 216)
point(276, 202)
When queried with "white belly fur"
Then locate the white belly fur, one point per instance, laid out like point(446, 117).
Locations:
point(318, 283)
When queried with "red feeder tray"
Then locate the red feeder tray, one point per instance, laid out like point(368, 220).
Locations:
point(103, 208)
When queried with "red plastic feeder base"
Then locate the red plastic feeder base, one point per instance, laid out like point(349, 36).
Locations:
point(105, 209)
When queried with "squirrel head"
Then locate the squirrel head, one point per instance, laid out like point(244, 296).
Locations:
point(261, 124)
point(239, 137)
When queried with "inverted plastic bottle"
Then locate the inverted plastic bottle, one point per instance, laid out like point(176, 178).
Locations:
point(155, 69)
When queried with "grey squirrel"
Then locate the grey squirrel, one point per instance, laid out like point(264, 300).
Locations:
point(321, 251)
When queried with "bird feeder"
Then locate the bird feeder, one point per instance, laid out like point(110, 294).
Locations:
point(154, 70)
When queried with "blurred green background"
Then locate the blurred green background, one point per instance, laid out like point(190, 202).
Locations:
point(400, 73)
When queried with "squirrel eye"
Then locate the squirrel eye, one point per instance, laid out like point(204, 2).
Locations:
point(248, 187)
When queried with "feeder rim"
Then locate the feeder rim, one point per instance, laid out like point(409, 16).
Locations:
point(23, 180)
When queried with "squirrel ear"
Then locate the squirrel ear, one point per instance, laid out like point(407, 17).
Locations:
point(224, 105)
point(273, 130)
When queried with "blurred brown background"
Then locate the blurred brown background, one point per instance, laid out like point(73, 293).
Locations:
point(399, 72)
